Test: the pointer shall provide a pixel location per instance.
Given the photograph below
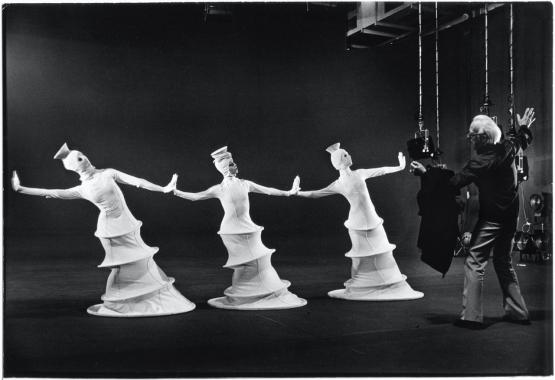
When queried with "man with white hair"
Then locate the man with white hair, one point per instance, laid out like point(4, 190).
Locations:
point(493, 170)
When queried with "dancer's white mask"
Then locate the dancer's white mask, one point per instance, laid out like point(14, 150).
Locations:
point(340, 158)
point(223, 161)
point(72, 159)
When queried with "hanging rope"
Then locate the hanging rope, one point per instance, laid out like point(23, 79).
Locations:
point(511, 70)
point(485, 107)
point(420, 114)
point(520, 159)
point(486, 50)
point(437, 78)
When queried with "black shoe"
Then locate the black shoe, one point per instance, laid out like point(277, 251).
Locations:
point(524, 322)
point(471, 325)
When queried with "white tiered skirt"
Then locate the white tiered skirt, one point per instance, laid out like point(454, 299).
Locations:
point(255, 284)
point(136, 286)
point(375, 275)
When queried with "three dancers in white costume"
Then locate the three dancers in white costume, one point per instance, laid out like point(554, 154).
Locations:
point(136, 286)
point(255, 284)
point(374, 272)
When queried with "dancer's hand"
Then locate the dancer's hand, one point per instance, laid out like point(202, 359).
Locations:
point(170, 187)
point(16, 185)
point(417, 168)
point(402, 161)
point(527, 119)
point(296, 186)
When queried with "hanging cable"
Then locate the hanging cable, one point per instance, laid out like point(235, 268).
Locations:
point(422, 145)
point(485, 107)
point(521, 161)
point(420, 114)
point(437, 77)
point(486, 49)
point(511, 70)
point(423, 131)
point(525, 227)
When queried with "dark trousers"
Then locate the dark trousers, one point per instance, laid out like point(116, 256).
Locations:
point(491, 236)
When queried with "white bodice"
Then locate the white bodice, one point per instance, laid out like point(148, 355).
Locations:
point(233, 194)
point(114, 219)
point(362, 214)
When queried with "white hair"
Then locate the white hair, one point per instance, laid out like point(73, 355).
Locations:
point(485, 124)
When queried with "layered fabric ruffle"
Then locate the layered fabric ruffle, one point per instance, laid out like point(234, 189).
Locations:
point(136, 286)
point(375, 275)
point(125, 249)
point(244, 247)
point(255, 283)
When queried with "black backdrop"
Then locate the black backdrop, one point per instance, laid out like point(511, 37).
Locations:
point(153, 89)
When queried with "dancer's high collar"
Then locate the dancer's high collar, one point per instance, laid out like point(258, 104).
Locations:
point(87, 173)
point(345, 172)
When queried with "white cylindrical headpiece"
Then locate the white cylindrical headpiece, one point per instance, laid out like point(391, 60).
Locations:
point(221, 160)
point(72, 159)
point(62, 152)
point(338, 155)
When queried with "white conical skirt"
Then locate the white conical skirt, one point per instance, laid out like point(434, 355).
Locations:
point(242, 248)
point(125, 249)
point(282, 299)
point(134, 280)
point(369, 242)
point(255, 284)
point(375, 275)
point(375, 270)
point(138, 288)
point(165, 301)
point(400, 291)
point(255, 278)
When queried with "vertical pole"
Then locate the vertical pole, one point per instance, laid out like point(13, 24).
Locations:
point(420, 115)
point(511, 70)
point(437, 76)
point(485, 107)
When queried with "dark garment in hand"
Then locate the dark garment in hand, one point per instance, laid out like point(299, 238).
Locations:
point(493, 171)
point(439, 227)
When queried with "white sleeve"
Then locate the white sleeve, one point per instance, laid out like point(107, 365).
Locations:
point(72, 193)
point(376, 172)
point(256, 188)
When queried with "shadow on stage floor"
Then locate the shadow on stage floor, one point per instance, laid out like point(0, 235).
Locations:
point(49, 283)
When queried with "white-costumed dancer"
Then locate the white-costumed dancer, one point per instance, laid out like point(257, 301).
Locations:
point(136, 286)
point(255, 284)
point(374, 273)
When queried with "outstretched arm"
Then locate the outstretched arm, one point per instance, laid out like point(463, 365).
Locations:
point(72, 193)
point(256, 188)
point(329, 190)
point(143, 183)
point(200, 196)
point(376, 172)
point(471, 171)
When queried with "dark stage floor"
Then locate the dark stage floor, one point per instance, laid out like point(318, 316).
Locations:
point(51, 281)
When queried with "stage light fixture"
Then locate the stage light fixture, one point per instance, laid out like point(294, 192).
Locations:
point(422, 146)
point(522, 239)
point(536, 202)
point(540, 240)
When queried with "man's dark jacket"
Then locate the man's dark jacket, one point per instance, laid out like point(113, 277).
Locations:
point(493, 171)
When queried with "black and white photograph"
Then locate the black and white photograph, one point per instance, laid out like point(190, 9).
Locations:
point(277, 189)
